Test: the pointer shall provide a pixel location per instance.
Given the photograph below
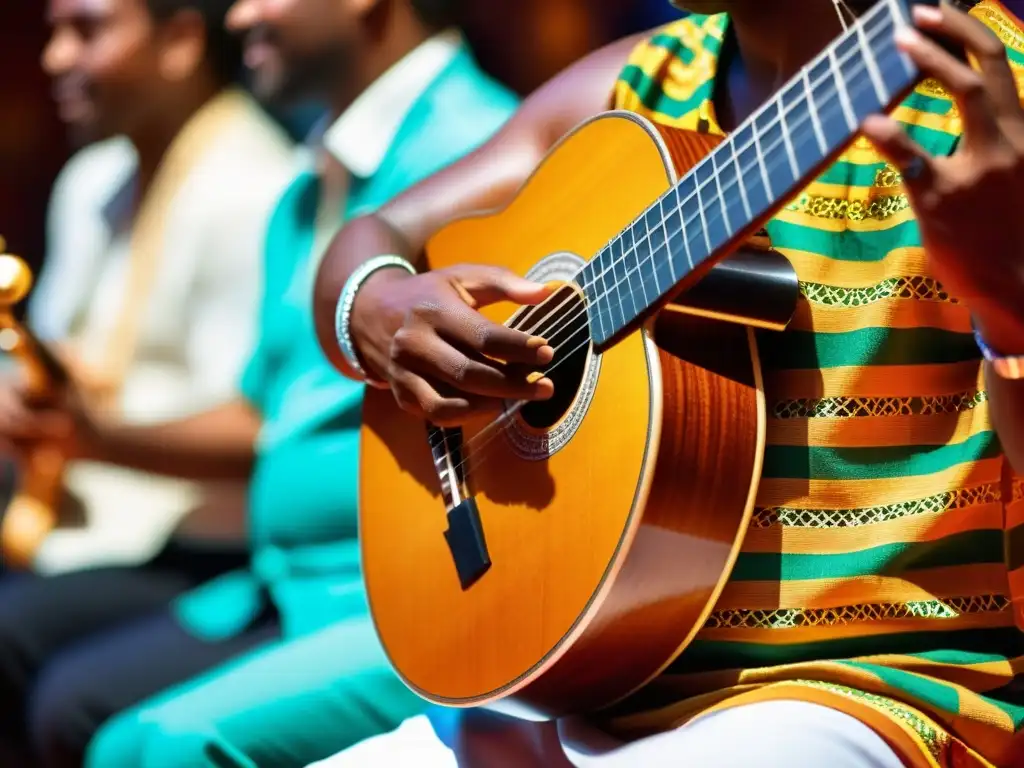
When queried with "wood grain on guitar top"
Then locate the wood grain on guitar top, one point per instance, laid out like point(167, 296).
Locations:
point(607, 555)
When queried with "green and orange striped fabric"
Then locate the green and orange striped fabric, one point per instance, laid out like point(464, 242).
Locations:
point(882, 571)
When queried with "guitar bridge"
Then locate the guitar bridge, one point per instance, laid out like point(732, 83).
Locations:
point(465, 534)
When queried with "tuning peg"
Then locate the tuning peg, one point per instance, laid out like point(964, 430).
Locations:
point(15, 280)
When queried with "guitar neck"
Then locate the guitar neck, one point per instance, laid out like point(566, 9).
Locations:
point(750, 175)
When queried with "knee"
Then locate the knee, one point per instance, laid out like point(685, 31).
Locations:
point(187, 744)
point(149, 738)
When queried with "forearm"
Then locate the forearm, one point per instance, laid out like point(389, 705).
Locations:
point(358, 241)
point(216, 445)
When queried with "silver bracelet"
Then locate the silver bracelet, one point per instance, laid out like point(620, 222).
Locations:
point(343, 311)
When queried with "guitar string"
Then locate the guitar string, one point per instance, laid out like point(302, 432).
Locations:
point(490, 431)
point(778, 120)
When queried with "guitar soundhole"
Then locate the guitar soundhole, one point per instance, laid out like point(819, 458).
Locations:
point(562, 320)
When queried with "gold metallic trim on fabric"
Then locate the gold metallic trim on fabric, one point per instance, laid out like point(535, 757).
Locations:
point(934, 739)
point(922, 288)
point(853, 407)
point(993, 18)
point(888, 177)
point(848, 518)
point(880, 208)
point(793, 618)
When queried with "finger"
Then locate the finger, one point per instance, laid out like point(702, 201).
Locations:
point(487, 285)
point(966, 85)
point(473, 374)
point(468, 329)
point(982, 43)
point(916, 165)
point(415, 395)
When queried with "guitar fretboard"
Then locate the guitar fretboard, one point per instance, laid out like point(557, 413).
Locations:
point(756, 169)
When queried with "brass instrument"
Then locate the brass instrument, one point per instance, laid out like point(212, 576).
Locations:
point(33, 510)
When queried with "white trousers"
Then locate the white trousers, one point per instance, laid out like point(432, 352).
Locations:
point(772, 734)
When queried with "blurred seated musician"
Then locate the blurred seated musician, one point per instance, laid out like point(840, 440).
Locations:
point(150, 294)
point(275, 664)
point(873, 617)
point(150, 289)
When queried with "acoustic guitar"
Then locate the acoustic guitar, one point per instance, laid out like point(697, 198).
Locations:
point(33, 510)
point(556, 558)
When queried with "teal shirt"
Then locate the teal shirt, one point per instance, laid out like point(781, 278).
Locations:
point(303, 494)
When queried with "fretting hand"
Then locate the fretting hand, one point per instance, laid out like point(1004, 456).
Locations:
point(970, 206)
point(443, 360)
point(66, 423)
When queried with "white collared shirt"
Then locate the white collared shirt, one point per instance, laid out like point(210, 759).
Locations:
point(360, 138)
point(199, 323)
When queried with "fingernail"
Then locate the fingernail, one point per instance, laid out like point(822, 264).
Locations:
point(534, 377)
point(906, 36)
point(536, 342)
point(929, 14)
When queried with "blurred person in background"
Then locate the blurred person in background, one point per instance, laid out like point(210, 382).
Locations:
point(150, 295)
point(405, 98)
point(150, 290)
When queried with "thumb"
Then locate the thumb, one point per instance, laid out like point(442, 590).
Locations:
point(486, 285)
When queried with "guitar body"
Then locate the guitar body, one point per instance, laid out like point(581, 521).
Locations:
point(612, 524)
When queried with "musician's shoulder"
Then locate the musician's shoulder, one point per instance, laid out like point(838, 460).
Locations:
point(672, 66)
point(682, 39)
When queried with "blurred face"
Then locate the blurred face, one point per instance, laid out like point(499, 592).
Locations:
point(296, 49)
point(102, 61)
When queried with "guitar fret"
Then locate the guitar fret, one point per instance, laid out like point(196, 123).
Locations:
point(700, 209)
point(635, 247)
point(668, 250)
point(900, 21)
point(740, 183)
point(587, 280)
point(685, 233)
point(812, 108)
point(597, 314)
point(626, 274)
point(610, 292)
point(875, 76)
point(786, 138)
point(721, 197)
point(760, 160)
point(844, 95)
